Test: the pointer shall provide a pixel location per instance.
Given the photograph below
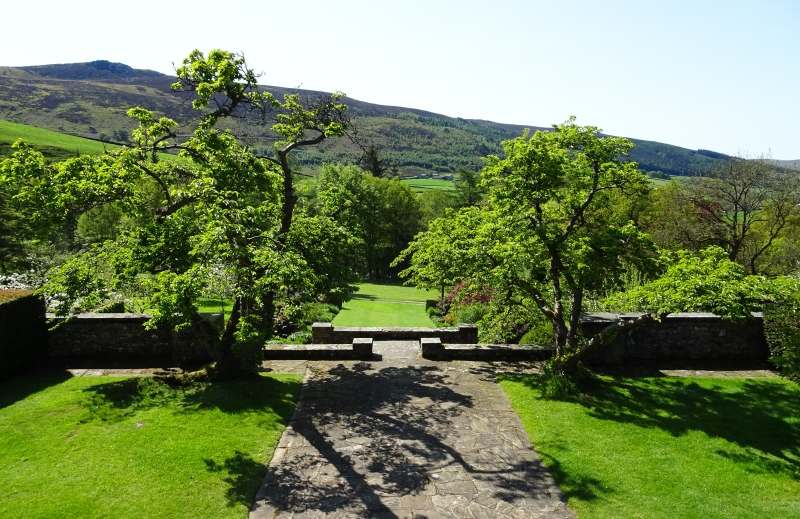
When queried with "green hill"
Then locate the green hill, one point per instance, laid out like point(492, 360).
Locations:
point(54, 145)
point(91, 99)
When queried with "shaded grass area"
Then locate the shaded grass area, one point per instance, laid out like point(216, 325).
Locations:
point(669, 447)
point(360, 312)
point(392, 291)
point(138, 446)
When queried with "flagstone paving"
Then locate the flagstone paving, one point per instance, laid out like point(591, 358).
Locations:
point(402, 437)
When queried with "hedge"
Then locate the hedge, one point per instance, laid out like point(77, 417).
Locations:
point(23, 331)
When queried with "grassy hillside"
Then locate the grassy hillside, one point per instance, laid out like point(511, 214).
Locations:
point(54, 145)
point(91, 100)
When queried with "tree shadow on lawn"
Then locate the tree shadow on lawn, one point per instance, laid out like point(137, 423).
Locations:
point(759, 416)
point(243, 477)
point(114, 401)
point(21, 387)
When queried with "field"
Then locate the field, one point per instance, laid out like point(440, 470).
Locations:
point(669, 447)
point(54, 145)
point(418, 185)
point(136, 447)
point(385, 304)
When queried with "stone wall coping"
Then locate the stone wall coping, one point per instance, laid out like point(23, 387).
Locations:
point(103, 316)
point(594, 317)
point(501, 347)
point(309, 347)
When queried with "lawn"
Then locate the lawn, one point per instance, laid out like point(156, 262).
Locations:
point(360, 312)
point(669, 447)
point(137, 447)
point(393, 292)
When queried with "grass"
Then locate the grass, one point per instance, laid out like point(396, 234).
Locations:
point(54, 145)
point(393, 292)
point(213, 305)
point(418, 185)
point(669, 447)
point(137, 447)
point(385, 304)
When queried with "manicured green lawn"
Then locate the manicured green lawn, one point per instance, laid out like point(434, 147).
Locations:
point(393, 292)
point(136, 447)
point(359, 312)
point(670, 447)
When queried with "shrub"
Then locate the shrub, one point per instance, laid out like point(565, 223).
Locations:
point(470, 314)
point(540, 333)
point(23, 331)
point(782, 332)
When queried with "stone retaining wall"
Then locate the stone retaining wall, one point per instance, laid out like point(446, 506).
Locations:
point(326, 333)
point(689, 336)
point(120, 335)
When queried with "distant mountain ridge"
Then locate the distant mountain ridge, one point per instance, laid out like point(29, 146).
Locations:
point(91, 99)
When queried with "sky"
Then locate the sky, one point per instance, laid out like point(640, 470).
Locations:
point(718, 75)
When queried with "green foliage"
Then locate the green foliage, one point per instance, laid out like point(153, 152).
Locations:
point(543, 238)
point(540, 333)
point(469, 314)
point(782, 327)
point(709, 282)
point(220, 212)
point(382, 213)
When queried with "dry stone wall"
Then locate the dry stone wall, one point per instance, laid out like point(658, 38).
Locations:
point(687, 336)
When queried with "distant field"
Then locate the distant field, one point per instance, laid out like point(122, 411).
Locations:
point(419, 185)
point(53, 145)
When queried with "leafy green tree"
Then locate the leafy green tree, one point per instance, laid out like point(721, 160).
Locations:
point(468, 189)
point(541, 238)
point(384, 213)
point(434, 204)
point(216, 206)
point(547, 237)
point(12, 248)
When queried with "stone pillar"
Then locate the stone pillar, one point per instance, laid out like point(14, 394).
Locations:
point(431, 347)
point(322, 333)
point(362, 347)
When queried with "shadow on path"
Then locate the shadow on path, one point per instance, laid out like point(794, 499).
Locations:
point(389, 441)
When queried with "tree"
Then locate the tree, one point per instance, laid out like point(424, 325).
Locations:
point(548, 236)
point(216, 206)
point(748, 203)
point(541, 238)
point(372, 163)
point(384, 213)
point(468, 189)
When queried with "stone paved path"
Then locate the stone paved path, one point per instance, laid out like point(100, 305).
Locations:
point(402, 437)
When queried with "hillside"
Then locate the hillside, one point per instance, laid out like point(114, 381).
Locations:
point(91, 100)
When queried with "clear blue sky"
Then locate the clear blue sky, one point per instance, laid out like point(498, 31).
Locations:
point(720, 75)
